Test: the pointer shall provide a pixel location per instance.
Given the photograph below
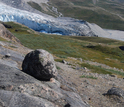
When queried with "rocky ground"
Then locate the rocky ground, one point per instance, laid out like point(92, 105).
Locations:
point(91, 90)
point(18, 89)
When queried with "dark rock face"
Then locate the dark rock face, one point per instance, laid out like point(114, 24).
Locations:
point(39, 64)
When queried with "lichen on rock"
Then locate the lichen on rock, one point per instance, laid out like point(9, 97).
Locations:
point(39, 64)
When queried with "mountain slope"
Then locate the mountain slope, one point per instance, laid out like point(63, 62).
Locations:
point(72, 46)
point(93, 65)
point(107, 14)
point(48, 24)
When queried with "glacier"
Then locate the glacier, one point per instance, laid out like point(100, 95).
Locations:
point(44, 23)
point(61, 26)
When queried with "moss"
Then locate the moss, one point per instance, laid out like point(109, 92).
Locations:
point(58, 67)
point(91, 77)
point(2, 39)
point(95, 69)
point(35, 5)
point(41, 59)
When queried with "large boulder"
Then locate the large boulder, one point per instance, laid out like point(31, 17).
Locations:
point(39, 64)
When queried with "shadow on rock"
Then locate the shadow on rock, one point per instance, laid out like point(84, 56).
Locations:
point(40, 64)
point(121, 47)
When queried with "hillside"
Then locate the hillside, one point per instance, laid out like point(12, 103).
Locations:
point(106, 13)
point(87, 68)
point(95, 49)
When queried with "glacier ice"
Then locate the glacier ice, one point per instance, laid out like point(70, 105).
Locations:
point(48, 24)
point(42, 23)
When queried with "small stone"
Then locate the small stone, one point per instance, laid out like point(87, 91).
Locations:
point(65, 62)
point(89, 98)
point(113, 75)
point(7, 55)
point(52, 80)
point(81, 59)
point(85, 68)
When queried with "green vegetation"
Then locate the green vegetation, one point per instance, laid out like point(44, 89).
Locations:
point(58, 67)
point(94, 49)
point(91, 77)
point(47, 9)
point(58, 60)
point(95, 39)
point(35, 5)
point(116, 52)
point(13, 46)
point(116, 72)
point(95, 69)
point(104, 13)
point(100, 70)
point(2, 39)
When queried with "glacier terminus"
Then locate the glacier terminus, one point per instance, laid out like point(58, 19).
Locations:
point(48, 24)
point(45, 23)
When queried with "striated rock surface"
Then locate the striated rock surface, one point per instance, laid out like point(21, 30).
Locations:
point(18, 89)
point(39, 64)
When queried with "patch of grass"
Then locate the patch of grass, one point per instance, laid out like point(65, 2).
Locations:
point(105, 49)
point(122, 61)
point(58, 67)
point(35, 5)
point(16, 27)
point(95, 69)
point(2, 39)
point(100, 70)
point(94, 39)
point(116, 72)
point(91, 77)
point(13, 46)
point(62, 56)
point(47, 9)
point(58, 60)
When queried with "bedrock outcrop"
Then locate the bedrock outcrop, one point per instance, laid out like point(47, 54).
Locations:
point(18, 89)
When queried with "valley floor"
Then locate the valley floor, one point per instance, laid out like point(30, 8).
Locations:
point(115, 34)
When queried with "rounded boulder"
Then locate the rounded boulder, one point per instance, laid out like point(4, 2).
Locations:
point(39, 64)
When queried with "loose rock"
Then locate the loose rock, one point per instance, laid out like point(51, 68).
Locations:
point(116, 91)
